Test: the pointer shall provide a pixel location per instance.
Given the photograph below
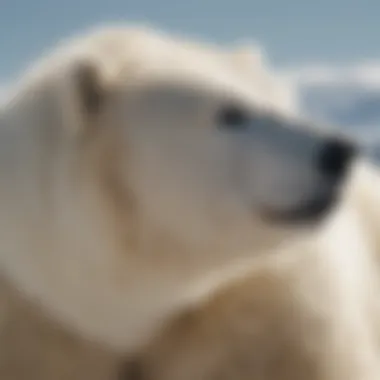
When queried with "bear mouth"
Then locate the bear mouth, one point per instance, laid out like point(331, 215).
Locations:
point(312, 211)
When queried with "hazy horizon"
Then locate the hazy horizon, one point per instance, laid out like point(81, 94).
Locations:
point(294, 33)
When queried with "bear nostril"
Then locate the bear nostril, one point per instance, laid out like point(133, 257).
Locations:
point(335, 157)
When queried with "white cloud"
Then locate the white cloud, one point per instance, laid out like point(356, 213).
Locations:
point(347, 95)
point(366, 74)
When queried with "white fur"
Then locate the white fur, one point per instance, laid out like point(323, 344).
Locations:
point(311, 311)
point(112, 217)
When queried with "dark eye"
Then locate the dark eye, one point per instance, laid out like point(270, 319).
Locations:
point(233, 118)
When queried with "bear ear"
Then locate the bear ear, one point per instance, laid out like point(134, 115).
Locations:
point(247, 56)
point(89, 89)
point(84, 94)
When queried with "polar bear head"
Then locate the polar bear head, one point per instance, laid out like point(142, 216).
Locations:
point(204, 143)
point(155, 161)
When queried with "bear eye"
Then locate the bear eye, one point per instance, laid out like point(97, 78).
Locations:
point(233, 118)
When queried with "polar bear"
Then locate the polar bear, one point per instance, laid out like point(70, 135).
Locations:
point(139, 172)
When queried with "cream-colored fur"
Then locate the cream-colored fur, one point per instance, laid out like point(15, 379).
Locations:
point(34, 347)
point(126, 198)
point(310, 312)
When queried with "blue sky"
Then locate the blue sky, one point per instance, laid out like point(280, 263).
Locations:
point(293, 31)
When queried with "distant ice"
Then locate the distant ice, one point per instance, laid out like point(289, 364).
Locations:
point(346, 96)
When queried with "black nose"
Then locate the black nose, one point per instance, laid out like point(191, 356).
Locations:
point(335, 157)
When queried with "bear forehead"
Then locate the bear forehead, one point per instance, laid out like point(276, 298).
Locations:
point(129, 54)
point(140, 52)
point(146, 55)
